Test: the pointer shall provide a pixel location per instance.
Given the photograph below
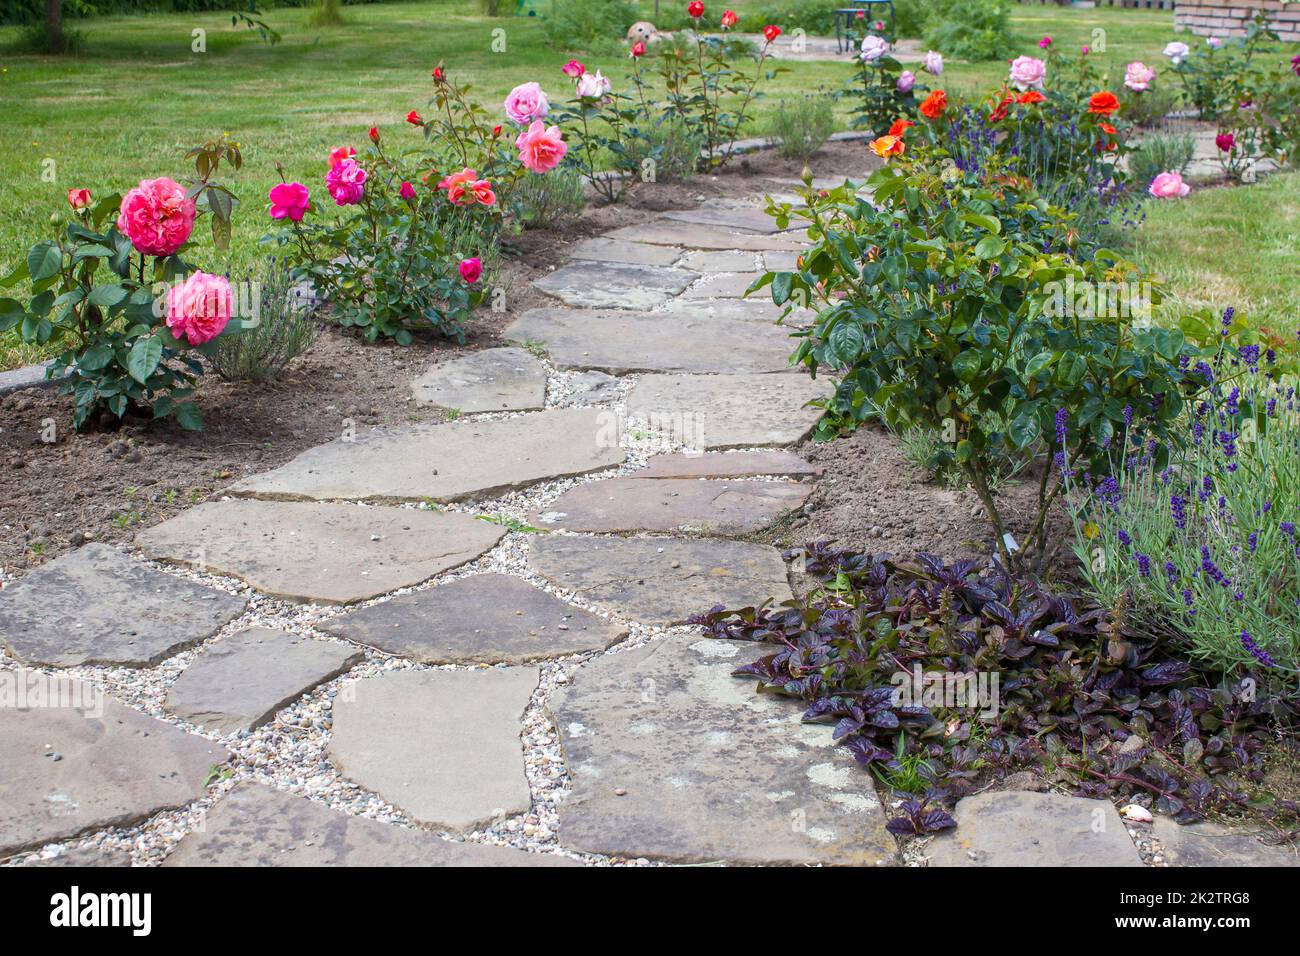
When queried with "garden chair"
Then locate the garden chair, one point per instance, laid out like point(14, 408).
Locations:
point(845, 18)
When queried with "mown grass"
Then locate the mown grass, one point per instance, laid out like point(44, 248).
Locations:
point(137, 96)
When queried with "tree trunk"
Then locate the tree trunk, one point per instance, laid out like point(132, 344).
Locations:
point(54, 25)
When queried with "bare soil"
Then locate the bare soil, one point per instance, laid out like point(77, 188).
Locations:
point(107, 483)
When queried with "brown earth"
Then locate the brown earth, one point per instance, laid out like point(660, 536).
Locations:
point(107, 484)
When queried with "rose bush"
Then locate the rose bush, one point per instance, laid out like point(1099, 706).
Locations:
point(114, 291)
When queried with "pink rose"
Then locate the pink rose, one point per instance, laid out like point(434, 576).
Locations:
point(526, 103)
point(541, 148)
point(1027, 72)
point(932, 63)
point(157, 217)
point(1138, 76)
point(346, 183)
point(471, 270)
point(1225, 142)
point(573, 69)
point(289, 201)
point(593, 86)
point(407, 191)
point(338, 155)
point(873, 48)
point(906, 80)
point(1044, 43)
point(198, 310)
point(1169, 186)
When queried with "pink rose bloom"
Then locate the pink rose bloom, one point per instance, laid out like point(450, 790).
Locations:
point(1138, 76)
point(156, 216)
point(932, 63)
point(407, 191)
point(906, 80)
point(346, 183)
point(289, 201)
point(526, 103)
point(573, 69)
point(1044, 43)
point(198, 310)
point(541, 148)
point(1225, 142)
point(471, 270)
point(592, 86)
point(1213, 43)
point(1027, 73)
point(873, 48)
point(1169, 186)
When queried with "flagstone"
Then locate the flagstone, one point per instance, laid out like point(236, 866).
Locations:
point(97, 606)
point(661, 580)
point(73, 760)
point(614, 285)
point(688, 235)
point(710, 412)
point(256, 825)
point(725, 260)
point(480, 619)
point(620, 342)
point(674, 759)
point(731, 464)
point(491, 380)
point(447, 462)
point(725, 285)
point(602, 249)
point(443, 746)
point(673, 504)
point(241, 681)
point(758, 307)
point(748, 218)
point(1210, 844)
point(1023, 828)
point(326, 552)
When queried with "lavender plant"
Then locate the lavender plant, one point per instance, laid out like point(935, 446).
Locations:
point(1205, 546)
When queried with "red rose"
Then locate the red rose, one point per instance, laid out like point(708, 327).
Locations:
point(695, 9)
point(728, 19)
point(771, 32)
point(638, 49)
point(496, 130)
point(1030, 97)
point(900, 126)
point(1225, 142)
point(1103, 103)
point(439, 74)
point(374, 134)
point(78, 198)
point(414, 118)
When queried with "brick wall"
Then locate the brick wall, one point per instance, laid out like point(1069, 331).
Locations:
point(1228, 18)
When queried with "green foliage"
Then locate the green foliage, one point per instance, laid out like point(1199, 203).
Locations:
point(280, 329)
point(542, 202)
point(941, 308)
point(973, 30)
point(801, 126)
point(878, 102)
point(671, 145)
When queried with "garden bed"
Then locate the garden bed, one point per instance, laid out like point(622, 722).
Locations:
point(108, 484)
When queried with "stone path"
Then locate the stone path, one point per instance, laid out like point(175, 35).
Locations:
point(463, 643)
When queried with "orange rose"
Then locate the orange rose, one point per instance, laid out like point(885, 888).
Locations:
point(1107, 128)
point(1030, 96)
point(899, 127)
point(887, 146)
point(1103, 103)
point(934, 104)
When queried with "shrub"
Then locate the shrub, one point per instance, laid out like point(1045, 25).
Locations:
point(973, 30)
point(942, 676)
point(281, 328)
point(1158, 153)
point(1205, 548)
point(882, 92)
point(948, 301)
point(546, 201)
point(668, 149)
point(801, 127)
point(125, 306)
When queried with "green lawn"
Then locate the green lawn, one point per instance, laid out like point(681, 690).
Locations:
point(136, 97)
